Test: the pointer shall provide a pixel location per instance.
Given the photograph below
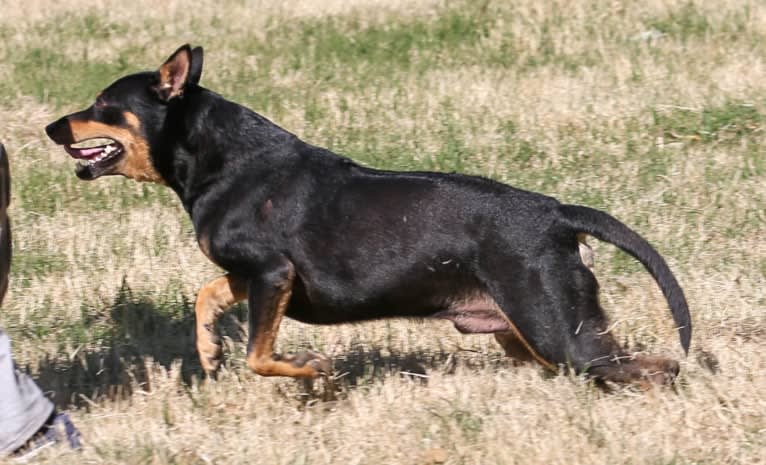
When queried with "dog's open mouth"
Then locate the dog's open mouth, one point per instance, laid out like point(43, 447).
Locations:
point(94, 155)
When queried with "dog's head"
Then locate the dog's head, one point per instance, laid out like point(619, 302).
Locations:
point(121, 131)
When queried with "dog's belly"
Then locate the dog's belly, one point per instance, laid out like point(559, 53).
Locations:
point(477, 313)
point(470, 311)
point(319, 310)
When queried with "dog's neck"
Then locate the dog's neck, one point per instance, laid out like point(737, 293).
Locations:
point(206, 137)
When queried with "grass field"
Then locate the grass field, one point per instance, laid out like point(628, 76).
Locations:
point(654, 111)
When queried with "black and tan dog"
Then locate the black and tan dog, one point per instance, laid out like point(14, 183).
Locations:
point(308, 234)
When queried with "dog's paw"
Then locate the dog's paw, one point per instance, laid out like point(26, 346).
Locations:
point(658, 370)
point(318, 361)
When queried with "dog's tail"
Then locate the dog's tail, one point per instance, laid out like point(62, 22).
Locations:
point(607, 228)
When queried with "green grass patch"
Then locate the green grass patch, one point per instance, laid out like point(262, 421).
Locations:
point(63, 78)
point(150, 323)
point(59, 79)
point(350, 44)
point(727, 122)
point(620, 263)
point(346, 54)
point(341, 52)
point(684, 24)
point(654, 165)
point(72, 25)
point(547, 54)
point(46, 72)
point(45, 190)
point(35, 263)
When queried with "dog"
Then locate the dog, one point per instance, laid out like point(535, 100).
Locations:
point(305, 233)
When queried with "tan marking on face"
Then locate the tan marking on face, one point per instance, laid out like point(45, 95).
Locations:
point(132, 120)
point(136, 162)
point(139, 165)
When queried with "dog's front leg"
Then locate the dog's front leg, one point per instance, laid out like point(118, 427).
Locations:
point(268, 298)
point(212, 300)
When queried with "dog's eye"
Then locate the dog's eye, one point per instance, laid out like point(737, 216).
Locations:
point(100, 103)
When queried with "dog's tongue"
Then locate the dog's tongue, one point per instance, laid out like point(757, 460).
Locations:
point(84, 153)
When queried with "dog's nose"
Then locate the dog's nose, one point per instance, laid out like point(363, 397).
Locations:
point(51, 128)
point(58, 130)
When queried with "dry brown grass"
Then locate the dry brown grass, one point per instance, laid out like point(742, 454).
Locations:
point(599, 113)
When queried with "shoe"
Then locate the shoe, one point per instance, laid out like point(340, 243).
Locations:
point(58, 427)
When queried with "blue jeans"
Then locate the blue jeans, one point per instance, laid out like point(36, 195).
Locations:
point(23, 407)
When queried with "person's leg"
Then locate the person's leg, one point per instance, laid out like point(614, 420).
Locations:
point(27, 419)
point(23, 407)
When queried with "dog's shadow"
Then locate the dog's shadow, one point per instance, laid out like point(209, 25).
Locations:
point(144, 333)
point(141, 332)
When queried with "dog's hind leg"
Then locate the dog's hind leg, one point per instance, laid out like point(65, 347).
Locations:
point(212, 300)
point(268, 297)
point(554, 306)
point(593, 349)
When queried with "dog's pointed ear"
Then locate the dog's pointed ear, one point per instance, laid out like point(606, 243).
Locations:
point(174, 74)
point(195, 73)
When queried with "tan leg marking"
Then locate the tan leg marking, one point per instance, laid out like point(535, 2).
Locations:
point(212, 300)
point(523, 342)
point(262, 359)
point(513, 347)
